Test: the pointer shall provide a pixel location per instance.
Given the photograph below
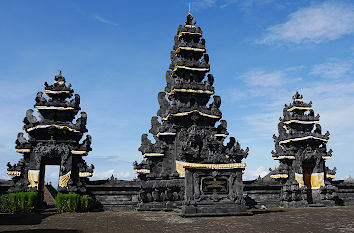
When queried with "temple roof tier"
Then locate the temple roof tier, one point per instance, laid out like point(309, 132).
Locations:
point(283, 157)
point(181, 114)
point(308, 137)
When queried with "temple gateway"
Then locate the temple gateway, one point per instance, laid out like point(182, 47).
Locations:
point(53, 139)
point(187, 166)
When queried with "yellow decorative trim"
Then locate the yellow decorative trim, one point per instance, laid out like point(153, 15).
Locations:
point(153, 155)
point(326, 157)
point(220, 135)
point(55, 92)
point(317, 180)
point(190, 112)
point(33, 178)
point(190, 33)
point(279, 176)
point(79, 152)
point(141, 171)
point(191, 68)
point(284, 157)
point(59, 82)
point(54, 125)
point(190, 48)
point(331, 176)
point(165, 133)
point(303, 138)
point(189, 26)
point(297, 100)
point(63, 180)
point(13, 173)
point(191, 91)
point(300, 179)
point(301, 108)
point(301, 122)
point(54, 108)
point(23, 150)
point(85, 174)
point(180, 166)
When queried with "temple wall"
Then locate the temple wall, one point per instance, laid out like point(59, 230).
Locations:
point(345, 192)
point(4, 186)
point(259, 194)
point(115, 195)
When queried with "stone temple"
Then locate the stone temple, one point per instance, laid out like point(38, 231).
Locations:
point(53, 139)
point(302, 153)
point(187, 166)
point(187, 142)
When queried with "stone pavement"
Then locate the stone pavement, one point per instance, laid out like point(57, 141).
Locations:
point(329, 219)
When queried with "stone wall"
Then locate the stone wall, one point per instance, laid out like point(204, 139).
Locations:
point(345, 192)
point(258, 193)
point(5, 185)
point(115, 195)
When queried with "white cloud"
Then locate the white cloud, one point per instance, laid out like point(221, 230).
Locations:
point(202, 4)
point(103, 174)
point(262, 78)
point(123, 175)
point(253, 174)
point(317, 23)
point(103, 20)
point(333, 70)
point(265, 124)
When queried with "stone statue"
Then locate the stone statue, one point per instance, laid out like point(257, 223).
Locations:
point(30, 119)
point(164, 104)
point(318, 129)
point(40, 100)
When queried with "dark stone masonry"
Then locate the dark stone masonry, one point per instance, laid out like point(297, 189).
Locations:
point(187, 166)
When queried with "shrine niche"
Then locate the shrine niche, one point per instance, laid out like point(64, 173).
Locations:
point(53, 139)
point(187, 144)
point(301, 149)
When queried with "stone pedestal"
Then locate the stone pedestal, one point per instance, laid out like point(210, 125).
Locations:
point(213, 192)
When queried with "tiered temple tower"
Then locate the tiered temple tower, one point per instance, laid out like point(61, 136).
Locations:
point(185, 134)
point(53, 139)
point(302, 152)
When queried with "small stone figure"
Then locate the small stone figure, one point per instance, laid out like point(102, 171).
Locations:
point(40, 100)
point(164, 104)
point(21, 140)
point(210, 80)
point(215, 105)
point(318, 129)
point(281, 129)
point(30, 119)
point(155, 125)
point(76, 101)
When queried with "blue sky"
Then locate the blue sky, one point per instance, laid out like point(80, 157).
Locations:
point(116, 53)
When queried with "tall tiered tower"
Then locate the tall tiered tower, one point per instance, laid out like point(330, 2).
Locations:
point(301, 150)
point(53, 140)
point(186, 136)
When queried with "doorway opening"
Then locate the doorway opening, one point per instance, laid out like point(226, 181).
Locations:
point(307, 167)
point(48, 185)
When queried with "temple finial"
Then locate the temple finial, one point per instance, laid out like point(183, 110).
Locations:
point(189, 7)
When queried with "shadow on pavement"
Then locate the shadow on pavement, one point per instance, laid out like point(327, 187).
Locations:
point(44, 231)
point(23, 219)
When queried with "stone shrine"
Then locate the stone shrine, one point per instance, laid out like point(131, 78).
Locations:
point(187, 143)
point(302, 152)
point(53, 139)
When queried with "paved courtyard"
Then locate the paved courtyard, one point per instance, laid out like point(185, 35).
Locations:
point(330, 219)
